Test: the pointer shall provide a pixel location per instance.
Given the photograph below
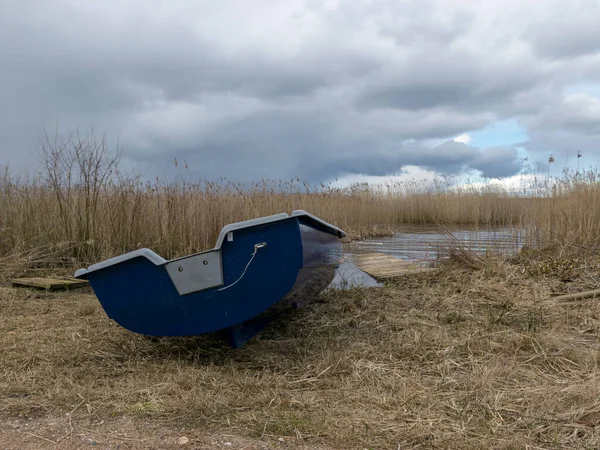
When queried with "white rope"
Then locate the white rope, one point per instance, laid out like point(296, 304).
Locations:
point(256, 247)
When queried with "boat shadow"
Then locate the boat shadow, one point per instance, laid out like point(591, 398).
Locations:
point(290, 330)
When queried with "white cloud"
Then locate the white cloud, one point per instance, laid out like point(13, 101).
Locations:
point(464, 138)
point(409, 174)
point(521, 183)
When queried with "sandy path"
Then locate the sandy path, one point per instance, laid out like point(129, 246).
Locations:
point(125, 434)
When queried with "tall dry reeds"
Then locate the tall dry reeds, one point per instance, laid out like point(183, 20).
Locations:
point(567, 211)
point(82, 200)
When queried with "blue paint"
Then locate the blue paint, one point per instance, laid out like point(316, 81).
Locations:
point(139, 294)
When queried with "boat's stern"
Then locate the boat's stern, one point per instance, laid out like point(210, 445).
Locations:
point(322, 254)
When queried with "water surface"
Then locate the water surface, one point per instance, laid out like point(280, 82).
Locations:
point(424, 245)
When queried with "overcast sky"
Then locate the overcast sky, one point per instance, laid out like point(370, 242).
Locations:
point(313, 89)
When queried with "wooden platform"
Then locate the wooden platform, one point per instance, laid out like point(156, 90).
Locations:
point(49, 284)
point(380, 266)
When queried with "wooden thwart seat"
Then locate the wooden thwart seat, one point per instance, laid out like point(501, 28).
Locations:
point(49, 284)
point(380, 265)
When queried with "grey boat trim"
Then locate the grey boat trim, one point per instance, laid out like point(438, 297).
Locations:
point(247, 224)
point(158, 260)
point(315, 219)
point(144, 252)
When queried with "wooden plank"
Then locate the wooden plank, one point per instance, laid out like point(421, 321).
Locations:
point(386, 262)
point(49, 284)
point(380, 258)
point(380, 265)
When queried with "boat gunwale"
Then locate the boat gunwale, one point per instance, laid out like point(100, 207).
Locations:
point(158, 260)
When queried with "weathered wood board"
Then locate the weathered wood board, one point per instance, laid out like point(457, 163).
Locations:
point(380, 265)
point(49, 284)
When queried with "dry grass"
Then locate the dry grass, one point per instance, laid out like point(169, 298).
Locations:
point(179, 218)
point(82, 198)
point(460, 358)
point(473, 356)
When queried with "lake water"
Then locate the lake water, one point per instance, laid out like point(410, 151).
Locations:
point(423, 245)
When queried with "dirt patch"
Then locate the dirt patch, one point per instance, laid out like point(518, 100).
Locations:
point(460, 358)
point(125, 433)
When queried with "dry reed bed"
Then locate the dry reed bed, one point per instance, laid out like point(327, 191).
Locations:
point(179, 218)
point(460, 359)
point(82, 200)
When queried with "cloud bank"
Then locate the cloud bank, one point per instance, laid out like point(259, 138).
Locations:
point(307, 89)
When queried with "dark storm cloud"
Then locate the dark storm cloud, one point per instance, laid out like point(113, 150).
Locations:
point(577, 113)
point(497, 162)
point(564, 128)
point(294, 141)
point(567, 31)
point(296, 88)
point(471, 85)
point(564, 147)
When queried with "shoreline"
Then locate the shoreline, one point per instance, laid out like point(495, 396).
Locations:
point(461, 357)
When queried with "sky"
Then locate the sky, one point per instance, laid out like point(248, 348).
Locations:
point(320, 90)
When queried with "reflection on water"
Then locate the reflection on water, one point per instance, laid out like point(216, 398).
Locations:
point(422, 245)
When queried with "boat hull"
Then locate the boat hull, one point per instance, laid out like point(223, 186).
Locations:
point(256, 270)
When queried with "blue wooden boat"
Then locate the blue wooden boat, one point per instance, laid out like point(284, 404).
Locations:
point(257, 268)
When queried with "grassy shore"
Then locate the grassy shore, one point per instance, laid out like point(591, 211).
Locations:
point(82, 205)
point(477, 354)
point(180, 218)
point(458, 358)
